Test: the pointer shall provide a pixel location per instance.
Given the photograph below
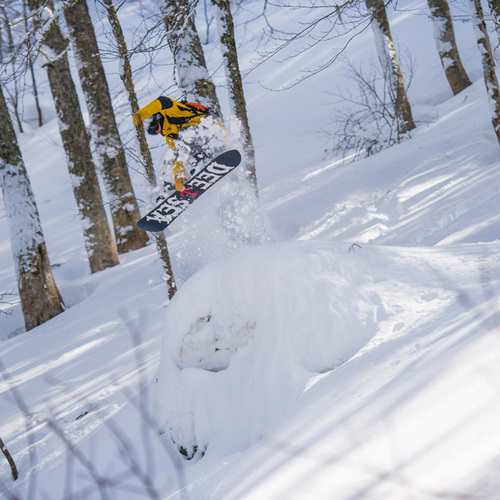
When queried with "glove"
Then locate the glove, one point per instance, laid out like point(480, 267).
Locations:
point(137, 120)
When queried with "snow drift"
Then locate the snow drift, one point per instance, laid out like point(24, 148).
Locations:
point(246, 334)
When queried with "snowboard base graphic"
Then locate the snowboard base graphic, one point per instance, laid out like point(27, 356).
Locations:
point(170, 208)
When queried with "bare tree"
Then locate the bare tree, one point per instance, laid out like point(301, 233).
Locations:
point(390, 65)
point(235, 83)
point(99, 243)
point(3, 295)
point(14, 95)
point(128, 82)
point(444, 35)
point(16, 56)
point(147, 161)
point(40, 298)
point(31, 67)
point(364, 121)
point(495, 14)
point(209, 18)
point(320, 22)
point(189, 60)
point(490, 77)
point(123, 205)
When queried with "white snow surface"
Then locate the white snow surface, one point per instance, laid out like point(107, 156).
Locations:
point(342, 343)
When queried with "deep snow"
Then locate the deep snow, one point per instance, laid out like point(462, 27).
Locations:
point(341, 345)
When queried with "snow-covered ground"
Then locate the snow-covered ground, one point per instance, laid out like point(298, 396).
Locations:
point(343, 345)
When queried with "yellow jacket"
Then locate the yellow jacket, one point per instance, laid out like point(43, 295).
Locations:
point(176, 116)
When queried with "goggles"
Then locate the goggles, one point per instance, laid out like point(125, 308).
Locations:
point(156, 121)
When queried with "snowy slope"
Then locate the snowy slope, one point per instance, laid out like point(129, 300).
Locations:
point(412, 415)
point(348, 350)
point(393, 421)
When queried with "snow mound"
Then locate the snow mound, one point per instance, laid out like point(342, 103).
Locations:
point(266, 319)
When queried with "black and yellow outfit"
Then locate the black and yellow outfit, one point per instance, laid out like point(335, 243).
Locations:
point(171, 116)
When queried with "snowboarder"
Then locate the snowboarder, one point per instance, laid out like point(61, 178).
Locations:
point(175, 120)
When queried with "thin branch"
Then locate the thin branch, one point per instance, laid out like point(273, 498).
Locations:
point(8, 456)
point(28, 419)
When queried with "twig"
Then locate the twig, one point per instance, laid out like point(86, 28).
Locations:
point(352, 247)
point(8, 456)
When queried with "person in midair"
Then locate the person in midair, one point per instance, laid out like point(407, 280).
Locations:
point(191, 130)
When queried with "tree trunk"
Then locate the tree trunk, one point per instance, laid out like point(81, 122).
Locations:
point(490, 77)
point(30, 64)
point(147, 161)
point(233, 75)
point(40, 299)
point(185, 45)
point(123, 205)
point(447, 45)
point(390, 65)
point(495, 13)
point(128, 83)
point(14, 98)
point(99, 243)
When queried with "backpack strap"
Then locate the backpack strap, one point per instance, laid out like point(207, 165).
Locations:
point(199, 109)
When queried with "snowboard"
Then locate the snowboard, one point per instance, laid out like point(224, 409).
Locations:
point(172, 206)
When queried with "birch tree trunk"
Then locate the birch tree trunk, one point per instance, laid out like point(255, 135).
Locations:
point(14, 97)
point(390, 65)
point(495, 13)
point(446, 44)
point(147, 161)
point(237, 97)
point(490, 77)
point(40, 298)
point(30, 64)
point(99, 243)
point(189, 60)
point(128, 82)
point(114, 170)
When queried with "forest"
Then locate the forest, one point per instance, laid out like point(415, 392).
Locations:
point(321, 247)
